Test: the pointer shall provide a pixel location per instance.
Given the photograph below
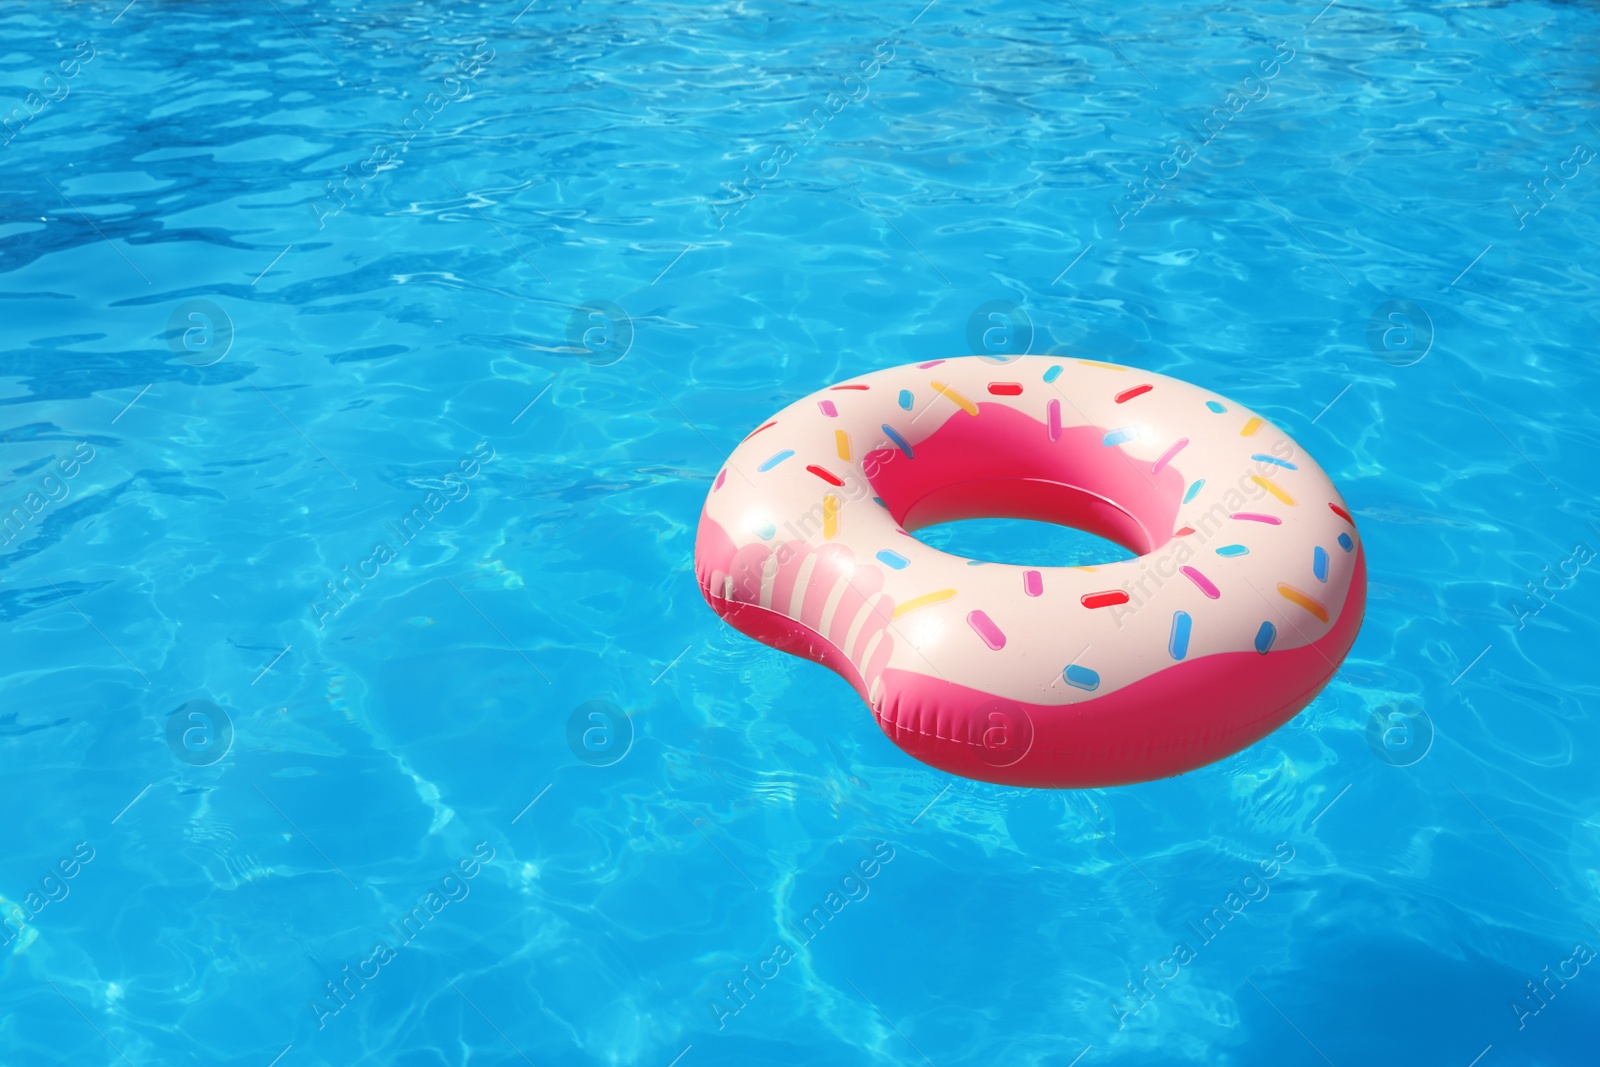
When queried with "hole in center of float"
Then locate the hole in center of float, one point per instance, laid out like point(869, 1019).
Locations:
point(1022, 542)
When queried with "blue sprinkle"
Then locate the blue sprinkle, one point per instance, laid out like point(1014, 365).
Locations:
point(1319, 563)
point(1178, 647)
point(893, 559)
point(775, 460)
point(1194, 491)
point(975, 562)
point(1271, 459)
point(1080, 677)
point(900, 442)
point(1345, 542)
point(1214, 406)
point(1233, 550)
point(1116, 437)
point(878, 500)
point(1265, 636)
point(1053, 373)
point(765, 531)
point(905, 399)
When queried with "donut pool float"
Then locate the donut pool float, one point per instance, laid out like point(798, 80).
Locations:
point(1247, 589)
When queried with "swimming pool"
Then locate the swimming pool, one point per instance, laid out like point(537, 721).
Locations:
point(366, 367)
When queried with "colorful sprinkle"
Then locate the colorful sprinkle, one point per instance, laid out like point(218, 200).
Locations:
point(974, 562)
point(1214, 406)
point(1104, 600)
point(1273, 488)
point(1342, 513)
point(1080, 677)
point(1183, 531)
point(1005, 388)
point(1194, 491)
point(1116, 437)
point(1053, 419)
point(985, 628)
point(1033, 583)
point(1265, 636)
point(775, 460)
point(1052, 374)
point(1319, 563)
point(899, 442)
point(1097, 363)
point(878, 500)
point(905, 399)
point(1178, 643)
point(828, 409)
point(830, 517)
point(1201, 582)
point(1345, 542)
point(955, 398)
point(923, 601)
point(766, 531)
point(1128, 394)
point(1285, 464)
point(893, 559)
point(1299, 599)
point(1251, 516)
point(1166, 457)
point(758, 429)
point(1230, 551)
point(841, 442)
point(825, 475)
point(930, 363)
point(1252, 426)
point(862, 387)
point(722, 476)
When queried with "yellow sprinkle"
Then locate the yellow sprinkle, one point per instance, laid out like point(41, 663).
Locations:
point(1089, 569)
point(1295, 596)
point(830, 516)
point(1097, 363)
point(923, 601)
point(841, 440)
point(960, 401)
point(1272, 488)
point(1252, 426)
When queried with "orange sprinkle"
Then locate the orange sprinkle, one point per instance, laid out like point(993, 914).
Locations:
point(950, 394)
point(1252, 426)
point(1097, 363)
point(1296, 597)
point(830, 517)
point(841, 441)
point(1273, 488)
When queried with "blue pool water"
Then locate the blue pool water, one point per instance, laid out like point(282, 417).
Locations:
point(276, 279)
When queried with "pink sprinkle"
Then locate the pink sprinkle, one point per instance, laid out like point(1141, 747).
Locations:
point(1033, 583)
point(722, 476)
point(925, 366)
point(828, 409)
point(1201, 582)
point(1250, 516)
point(1166, 457)
point(1053, 412)
point(986, 629)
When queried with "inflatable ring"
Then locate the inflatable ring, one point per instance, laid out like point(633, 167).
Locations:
point(1247, 591)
